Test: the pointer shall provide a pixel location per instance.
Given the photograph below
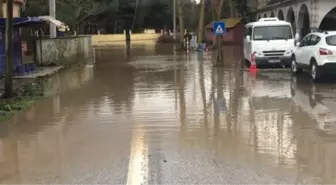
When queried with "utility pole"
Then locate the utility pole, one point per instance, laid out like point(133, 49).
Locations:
point(52, 13)
point(174, 20)
point(9, 49)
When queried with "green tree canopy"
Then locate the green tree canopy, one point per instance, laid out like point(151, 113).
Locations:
point(115, 15)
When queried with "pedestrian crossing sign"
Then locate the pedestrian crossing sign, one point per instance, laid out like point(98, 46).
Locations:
point(219, 28)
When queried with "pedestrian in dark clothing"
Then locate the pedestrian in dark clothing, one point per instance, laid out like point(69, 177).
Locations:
point(187, 38)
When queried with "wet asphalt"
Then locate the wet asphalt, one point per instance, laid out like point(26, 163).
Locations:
point(152, 115)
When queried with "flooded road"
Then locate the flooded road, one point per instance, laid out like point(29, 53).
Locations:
point(153, 116)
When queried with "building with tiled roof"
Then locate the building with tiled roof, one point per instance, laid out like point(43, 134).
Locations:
point(305, 15)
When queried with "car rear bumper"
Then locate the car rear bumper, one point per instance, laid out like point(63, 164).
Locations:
point(284, 60)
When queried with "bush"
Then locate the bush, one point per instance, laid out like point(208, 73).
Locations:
point(24, 97)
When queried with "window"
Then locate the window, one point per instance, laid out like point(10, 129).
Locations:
point(248, 31)
point(305, 41)
point(331, 40)
point(272, 33)
point(314, 39)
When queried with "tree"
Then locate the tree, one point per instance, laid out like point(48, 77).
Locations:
point(181, 20)
point(9, 50)
point(218, 9)
point(115, 15)
point(108, 20)
point(1, 10)
point(243, 8)
point(74, 12)
point(216, 6)
point(163, 14)
point(201, 22)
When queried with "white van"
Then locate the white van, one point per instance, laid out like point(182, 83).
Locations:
point(269, 41)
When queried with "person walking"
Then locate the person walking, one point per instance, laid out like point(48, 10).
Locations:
point(187, 38)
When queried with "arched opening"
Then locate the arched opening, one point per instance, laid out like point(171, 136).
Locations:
point(272, 14)
point(265, 15)
point(304, 21)
point(281, 15)
point(291, 18)
point(328, 22)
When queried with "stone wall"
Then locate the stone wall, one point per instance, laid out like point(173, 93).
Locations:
point(105, 39)
point(63, 50)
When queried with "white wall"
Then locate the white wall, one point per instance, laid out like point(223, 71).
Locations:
point(323, 9)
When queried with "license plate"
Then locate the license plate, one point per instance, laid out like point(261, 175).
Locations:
point(274, 61)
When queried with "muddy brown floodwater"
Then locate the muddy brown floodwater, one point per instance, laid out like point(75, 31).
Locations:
point(154, 116)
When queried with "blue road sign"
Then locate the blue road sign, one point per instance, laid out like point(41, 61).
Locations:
point(219, 28)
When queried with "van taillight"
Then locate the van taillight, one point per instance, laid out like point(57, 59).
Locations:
point(325, 51)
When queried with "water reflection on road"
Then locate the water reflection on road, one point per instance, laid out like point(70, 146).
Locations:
point(152, 115)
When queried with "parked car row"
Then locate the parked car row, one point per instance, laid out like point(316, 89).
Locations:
point(270, 42)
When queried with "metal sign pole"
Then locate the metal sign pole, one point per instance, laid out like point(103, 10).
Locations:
point(219, 51)
point(219, 30)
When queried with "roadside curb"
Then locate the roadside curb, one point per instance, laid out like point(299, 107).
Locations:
point(42, 72)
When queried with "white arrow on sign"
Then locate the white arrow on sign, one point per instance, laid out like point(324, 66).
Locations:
point(219, 29)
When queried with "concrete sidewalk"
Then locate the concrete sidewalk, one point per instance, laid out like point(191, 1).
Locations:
point(20, 81)
point(40, 72)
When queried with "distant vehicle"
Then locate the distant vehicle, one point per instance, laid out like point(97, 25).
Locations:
point(316, 53)
point(269, 41)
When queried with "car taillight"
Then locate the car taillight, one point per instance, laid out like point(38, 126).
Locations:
point(325, 52)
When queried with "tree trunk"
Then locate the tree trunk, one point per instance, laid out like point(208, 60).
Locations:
point(1, 8)
point(216, 15)
point(201, 23)
point(9, 50)
point(181, 21)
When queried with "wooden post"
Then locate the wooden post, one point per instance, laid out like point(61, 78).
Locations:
point(219, 60)
point(9, 50)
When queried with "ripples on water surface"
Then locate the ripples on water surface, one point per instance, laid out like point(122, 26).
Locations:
point(155, 116)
